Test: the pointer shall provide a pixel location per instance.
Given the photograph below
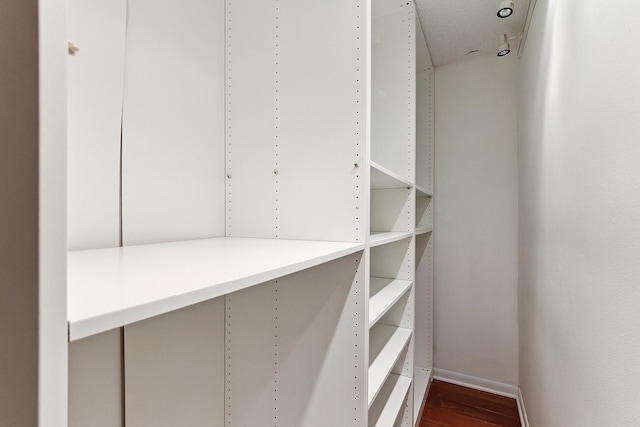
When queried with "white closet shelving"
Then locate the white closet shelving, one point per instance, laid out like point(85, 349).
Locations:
point(238, 253)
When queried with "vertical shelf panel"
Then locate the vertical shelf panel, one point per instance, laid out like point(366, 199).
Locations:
point(392, 210)
point(385, 411)
point(304, 332)
point(174, 368)
point(95, 80)
point(173, 121)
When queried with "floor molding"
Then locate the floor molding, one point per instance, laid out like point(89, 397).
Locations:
point(524, 421)
point(501, 389)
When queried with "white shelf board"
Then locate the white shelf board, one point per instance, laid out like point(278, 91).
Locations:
point(421, 383)
point(109, 288)
point(383, 178)
point(384, 294)
point(395, 390)
point(423, 229)
point(422, 192)
point(386, 344)
point(378, 238)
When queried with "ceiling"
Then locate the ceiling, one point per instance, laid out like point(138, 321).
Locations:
point(453, 28)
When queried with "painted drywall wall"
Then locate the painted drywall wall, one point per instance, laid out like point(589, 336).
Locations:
point(579, 197)
point(476, 219)
point(19, 213)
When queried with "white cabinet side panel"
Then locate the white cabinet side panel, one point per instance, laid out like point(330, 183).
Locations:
point(297, 349)
point(394, 260)
point(424, 130)
point(95, 86)
point(95, 381)
point(393, 92)
point(251, 119)
point(392, 210)
point(423, 333)
point(174, 368)
point(173, 122)
point(321, 99)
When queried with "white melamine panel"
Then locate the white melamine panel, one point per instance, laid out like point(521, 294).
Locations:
point(385, 411)
point(393, 260)
point(296, 349)
point(423, 331)
point(386, 345)
point(393, 92)
point(402, 312)
point(95, 381)
point(95, 78)
point(250, 119)
point(321, 86)
point(174, 368)
point(382, 177)
point(392, 210)
point(421, 384)
point(173, 122)
point(384, 294)
point(425, 113)
point(424, 211)
point(114, 287)
point(378, 238)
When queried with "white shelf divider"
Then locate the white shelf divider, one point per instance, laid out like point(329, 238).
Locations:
point(384, 294)
point(109, 288)
point(423, 229)
point(421, 384)
point(378, 238)
point(395, 389)
point(421, 192)
point(386, 344)
point(383, 178)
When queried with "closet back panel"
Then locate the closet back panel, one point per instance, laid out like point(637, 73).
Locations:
point(393, 98)
point(295, 349)
point(173, 121)
point(95, 87)
point(296, 97)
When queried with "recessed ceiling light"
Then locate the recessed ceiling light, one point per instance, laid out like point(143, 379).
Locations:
point(504, 48)
point(506, 9)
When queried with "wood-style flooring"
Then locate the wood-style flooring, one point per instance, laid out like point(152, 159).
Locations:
point(450, 405)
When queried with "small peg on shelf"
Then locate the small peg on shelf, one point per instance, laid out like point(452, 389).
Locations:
point(228, 176)
point(356, 165)
point(275, 171)
point(73, 49)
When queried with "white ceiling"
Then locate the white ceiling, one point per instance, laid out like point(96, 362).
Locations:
point(455, 27)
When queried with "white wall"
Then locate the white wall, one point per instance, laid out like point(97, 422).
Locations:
point(579, 192)
point(476, 219)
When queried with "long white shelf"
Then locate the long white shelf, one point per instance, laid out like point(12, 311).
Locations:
point(421, 384)
point(383, 178)
point(109, 288)
point(390, 401)
point(384, 294)
point(386, 344)
point(422, 192)
point(423, 229)
point(378, 238)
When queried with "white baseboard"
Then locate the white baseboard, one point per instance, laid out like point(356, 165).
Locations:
point(501, 389)
point(524, 421)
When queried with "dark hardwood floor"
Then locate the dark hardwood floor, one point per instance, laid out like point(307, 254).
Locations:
point(450, 405)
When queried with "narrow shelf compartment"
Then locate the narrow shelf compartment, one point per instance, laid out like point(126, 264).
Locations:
point(382, 178)
point(421, 383)
point(383, 237)
point(384, 294)
point(385, 410)
point(109, 288)
point(386, 344)
point(423, 229)
point(422, 192)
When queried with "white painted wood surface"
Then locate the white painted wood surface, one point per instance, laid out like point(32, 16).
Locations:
point(421, 384)
point(384, 294)
point(118, 286)
point(385, 410)
point(95, 86)
point(173, 121)
point(174, 368)
point(386, 344)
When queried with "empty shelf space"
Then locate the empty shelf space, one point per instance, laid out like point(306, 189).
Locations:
point(384, 294)
point(378, 238)
point(386, 408)
point(109, 288)
point(382, 178)
point(386, 344)
point(422, 229)
point(422, 192)
point(421, 383)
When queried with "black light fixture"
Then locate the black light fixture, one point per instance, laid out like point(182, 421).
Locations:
point(503, 48)
point(506, 9)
